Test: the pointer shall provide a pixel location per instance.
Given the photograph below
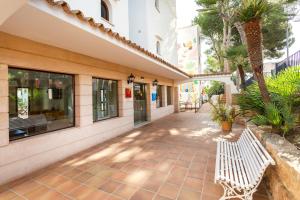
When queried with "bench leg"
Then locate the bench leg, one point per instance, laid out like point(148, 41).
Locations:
point(232, 192)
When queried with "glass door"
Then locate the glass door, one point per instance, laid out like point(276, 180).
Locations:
point(139, 103)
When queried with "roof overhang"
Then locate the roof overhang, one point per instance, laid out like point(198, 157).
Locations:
point(41, 22)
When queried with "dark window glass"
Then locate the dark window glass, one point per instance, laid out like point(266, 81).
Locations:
point(169, 95)
point(105, 99)
point(104, 11)
point(39, 102)
point(159, 96)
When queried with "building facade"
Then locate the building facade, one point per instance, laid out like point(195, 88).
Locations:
point(70, 79)
point(152, 24)
point(189, 60)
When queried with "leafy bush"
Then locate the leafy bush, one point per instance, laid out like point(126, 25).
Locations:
point(216, 88)
point(282, 112)
point(221, 112)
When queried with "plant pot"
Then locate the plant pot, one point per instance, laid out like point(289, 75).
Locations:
point(226, 126)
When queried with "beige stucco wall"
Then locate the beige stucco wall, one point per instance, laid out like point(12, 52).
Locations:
point(21, 157)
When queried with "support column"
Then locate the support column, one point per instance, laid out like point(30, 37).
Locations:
point(164, 96)
point(176, 99)
point(4, 106)
point(228, 95)
point(125, 104)
point(83, 100)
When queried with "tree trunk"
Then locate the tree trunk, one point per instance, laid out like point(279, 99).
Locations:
point(242, 76)
point(254, 45)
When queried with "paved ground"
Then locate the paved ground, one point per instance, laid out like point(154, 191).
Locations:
point(169, 159)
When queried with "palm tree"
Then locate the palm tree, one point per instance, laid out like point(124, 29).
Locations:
point(251, 12)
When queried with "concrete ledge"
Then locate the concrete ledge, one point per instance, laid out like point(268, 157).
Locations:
point(283, 180)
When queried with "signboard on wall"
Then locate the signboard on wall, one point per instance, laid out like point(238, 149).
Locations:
point(128, 93)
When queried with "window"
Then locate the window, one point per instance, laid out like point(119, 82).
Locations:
point(159, 96)
point(104, 11)
point(158, 47)
point(169, 95)
point(157, 5)
point(105, 99)
point(39, 102)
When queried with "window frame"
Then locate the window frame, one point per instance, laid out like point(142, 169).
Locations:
point(161, 104)
point(103, 3)
point(118, 106)
point(74, 101)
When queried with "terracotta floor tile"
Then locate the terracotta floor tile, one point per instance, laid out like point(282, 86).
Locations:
point(193, 184)
point(96, 181)
point(26, 187)
point(68, 186)
point(113, 197)
point(158, 197)
point(83, 177)
point(142, 195)
point(84, 192)
point(169, 191)
point(52, 180)
point(186, 194)
point(110, 186)
point(37, 194)
point(6, 195)
point(72, 173)
point(212, 188)
point(125, 191)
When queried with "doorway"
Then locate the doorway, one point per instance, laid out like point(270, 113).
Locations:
point(139, 103)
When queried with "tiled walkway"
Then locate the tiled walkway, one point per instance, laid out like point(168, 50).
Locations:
point(172, 158)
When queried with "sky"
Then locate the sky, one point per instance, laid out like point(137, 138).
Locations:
point(187, 11)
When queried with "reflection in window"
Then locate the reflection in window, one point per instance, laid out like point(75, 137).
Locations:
point(159, 96)
point(39, 102)
point(104, 11)
point(105, 99)
point(169, 95)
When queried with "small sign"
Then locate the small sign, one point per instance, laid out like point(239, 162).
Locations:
point(154, 96)
point(127, 92)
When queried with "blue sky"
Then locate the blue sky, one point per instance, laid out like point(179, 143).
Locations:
point(187, 10)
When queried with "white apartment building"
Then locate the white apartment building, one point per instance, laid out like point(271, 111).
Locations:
point(75, 73)
point(152, 24)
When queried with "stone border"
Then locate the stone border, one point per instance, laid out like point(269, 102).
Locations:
point(283, 179)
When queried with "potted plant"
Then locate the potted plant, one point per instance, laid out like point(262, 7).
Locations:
point(224, 115)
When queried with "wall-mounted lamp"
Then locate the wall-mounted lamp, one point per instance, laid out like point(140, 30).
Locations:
point(155, 82)
point(130, 78)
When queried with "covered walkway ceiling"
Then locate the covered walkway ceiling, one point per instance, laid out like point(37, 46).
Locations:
point(222, 77)
point(56, 25)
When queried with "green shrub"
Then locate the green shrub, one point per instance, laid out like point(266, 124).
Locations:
point(216, 88)
point(282, 113)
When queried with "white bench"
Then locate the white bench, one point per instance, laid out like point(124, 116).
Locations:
point(240, 166)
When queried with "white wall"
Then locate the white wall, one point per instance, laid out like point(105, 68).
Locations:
point(118, 13)
point(147, 25)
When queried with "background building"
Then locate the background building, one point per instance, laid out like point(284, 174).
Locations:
point(152, 24)
point(189, 60)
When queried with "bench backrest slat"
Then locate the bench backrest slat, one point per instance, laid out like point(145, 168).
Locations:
point(267, 156)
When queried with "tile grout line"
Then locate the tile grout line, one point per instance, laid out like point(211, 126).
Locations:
point(204, 178)
point(178, 195)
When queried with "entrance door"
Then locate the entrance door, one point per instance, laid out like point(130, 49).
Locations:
point(139, 103)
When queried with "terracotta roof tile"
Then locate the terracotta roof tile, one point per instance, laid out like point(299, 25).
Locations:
point(64, 5)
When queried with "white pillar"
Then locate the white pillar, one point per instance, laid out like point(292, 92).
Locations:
point(83, 100)
point(4, 106)
point(228, 95)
